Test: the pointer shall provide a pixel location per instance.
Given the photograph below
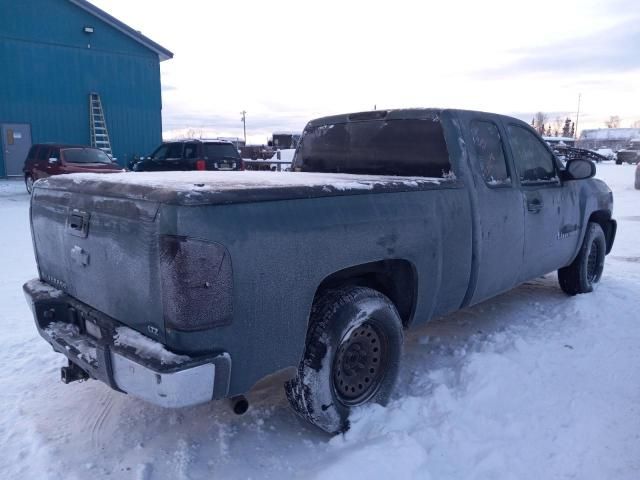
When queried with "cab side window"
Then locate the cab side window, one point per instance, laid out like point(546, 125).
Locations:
point(160, 153)
point(191, 150)
point(43, 154)
point(175, 150)
point(490, 152)
point(533, 161)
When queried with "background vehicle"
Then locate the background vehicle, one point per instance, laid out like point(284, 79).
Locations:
point(630, 154)
point(255, 152)
point(182, 155)
point(393, 218)
point(606, 152)
point(44, 160)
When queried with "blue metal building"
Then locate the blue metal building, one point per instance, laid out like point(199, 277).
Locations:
point(53, 55)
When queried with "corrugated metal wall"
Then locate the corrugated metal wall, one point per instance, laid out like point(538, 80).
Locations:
point(49, 67)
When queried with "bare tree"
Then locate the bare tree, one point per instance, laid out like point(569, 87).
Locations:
point(539, 119)
point(558, 123)
point(636, 124)
point(613, 122)
point(194, 133)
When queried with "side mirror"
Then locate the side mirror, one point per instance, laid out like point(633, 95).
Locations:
point(53, 161)
point(579, 169)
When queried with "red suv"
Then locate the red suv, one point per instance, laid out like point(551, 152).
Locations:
point(45, 160)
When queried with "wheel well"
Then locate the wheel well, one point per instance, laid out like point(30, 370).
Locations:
point(397, 279)
point(603, 218)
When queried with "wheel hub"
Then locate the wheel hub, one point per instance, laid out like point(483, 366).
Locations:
point(358, 365)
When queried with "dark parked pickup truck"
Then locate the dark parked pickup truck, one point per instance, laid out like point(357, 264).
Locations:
point(191, 286)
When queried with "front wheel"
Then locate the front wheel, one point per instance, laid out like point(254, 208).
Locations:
point(351, 358)
point(585, 271)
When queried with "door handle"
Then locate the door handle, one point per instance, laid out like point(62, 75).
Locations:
point(535, 205)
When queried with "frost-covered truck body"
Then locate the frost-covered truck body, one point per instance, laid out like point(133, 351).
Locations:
point(186, 287)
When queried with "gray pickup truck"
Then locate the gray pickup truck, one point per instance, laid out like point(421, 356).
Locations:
point(184, 287)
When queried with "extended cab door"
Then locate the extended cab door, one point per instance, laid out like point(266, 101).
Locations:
point(551, 209)
point(499, 235)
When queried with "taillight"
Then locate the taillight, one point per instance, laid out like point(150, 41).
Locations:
point(201, 165)
point(197, 283)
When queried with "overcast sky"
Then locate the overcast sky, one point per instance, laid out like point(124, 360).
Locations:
point(285, 62)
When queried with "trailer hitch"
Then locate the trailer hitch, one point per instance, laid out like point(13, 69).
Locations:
point(72, 373)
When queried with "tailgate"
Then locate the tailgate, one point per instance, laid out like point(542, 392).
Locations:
point(102, 251)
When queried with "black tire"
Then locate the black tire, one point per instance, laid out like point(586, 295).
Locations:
point(618, 162)
point(352, 355)
point(585, 271)
point(28, 183)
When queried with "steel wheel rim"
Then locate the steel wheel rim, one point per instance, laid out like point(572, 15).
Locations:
point(358, 367)
point(592, 262)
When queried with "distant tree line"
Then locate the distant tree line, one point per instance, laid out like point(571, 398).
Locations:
point(566, 127)
point(557, 128)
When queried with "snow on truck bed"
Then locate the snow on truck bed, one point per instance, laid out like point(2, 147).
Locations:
point(243, 180)
point(201, 188)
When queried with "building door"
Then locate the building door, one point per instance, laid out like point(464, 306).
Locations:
point(16, 142)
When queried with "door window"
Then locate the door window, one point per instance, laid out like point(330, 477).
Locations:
point(43, 153)
point(191, 150)
point(533, 161)
point(175, 150)
point(160, 153)
point(490, 152)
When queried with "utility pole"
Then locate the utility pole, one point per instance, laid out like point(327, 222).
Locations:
point(577, 116)
point(244, 124)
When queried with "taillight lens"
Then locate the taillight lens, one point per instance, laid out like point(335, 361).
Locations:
point(201, 165)
point(197, 283)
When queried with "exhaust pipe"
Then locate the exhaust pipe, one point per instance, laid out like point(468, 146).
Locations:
point(72, 373)
point(239, 404)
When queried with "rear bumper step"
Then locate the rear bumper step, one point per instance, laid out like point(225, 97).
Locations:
point(179, 381)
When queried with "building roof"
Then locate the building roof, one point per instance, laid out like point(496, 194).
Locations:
point(162, 52)
point(558, 139)
point(616, 134)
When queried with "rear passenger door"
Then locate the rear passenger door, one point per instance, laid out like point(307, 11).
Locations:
point(41, 161)
point(551, 210)
point(500, 239)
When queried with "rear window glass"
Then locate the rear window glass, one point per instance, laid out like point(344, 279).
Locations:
point(375, 147)
point(220, 150)
point(85, 155)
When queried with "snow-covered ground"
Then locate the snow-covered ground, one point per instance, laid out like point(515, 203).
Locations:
point(529, 385)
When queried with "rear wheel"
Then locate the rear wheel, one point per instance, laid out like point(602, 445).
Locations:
point(585, 271)
point(28, 182)
point(351, 358)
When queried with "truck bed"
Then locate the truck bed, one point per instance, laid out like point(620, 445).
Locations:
point(199, 188)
